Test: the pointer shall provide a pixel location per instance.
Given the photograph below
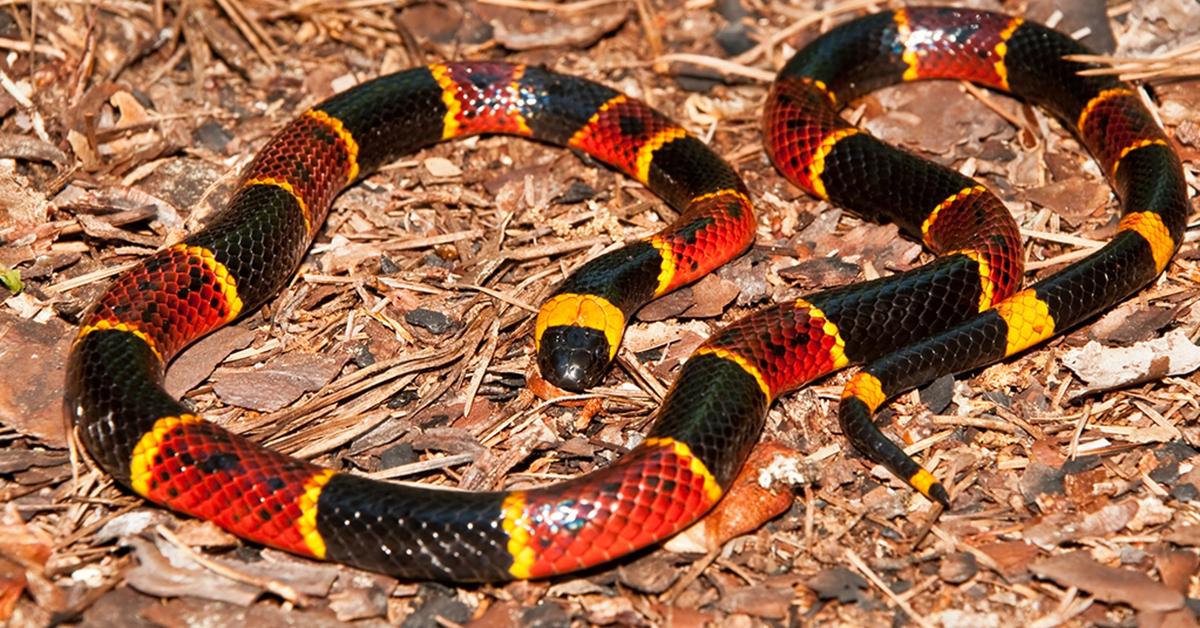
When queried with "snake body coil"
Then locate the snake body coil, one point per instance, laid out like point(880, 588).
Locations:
point(959, 312)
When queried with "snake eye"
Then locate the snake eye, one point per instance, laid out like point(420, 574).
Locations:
point(573, 358)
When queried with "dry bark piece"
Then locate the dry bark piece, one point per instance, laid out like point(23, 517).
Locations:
point(958, 567)
point(123, 607)
point(34, 356)
point(442, 167)
point(839, 584)
point(1012, 558)
point(1105, 368)
point(279, 382)
point(167, 573)
point(1131, 322)
point(359, 603)
point(554, 31)
point(131, 524)
point(195, 612)
point(30, 148)
point(1110, 584)
point(711, 294)
point(1056, 529)
point(653, 573)
point(102, 230)
point(1184, 535)
point(197, 363)
point(1075, 199)
point(821, 272)
point(758, 601)
point(20, 202)
point(1177, 568)
point(15, 460)
point(437, 602)
point(433, 321)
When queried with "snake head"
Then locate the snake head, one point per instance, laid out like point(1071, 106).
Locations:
point(573, 358)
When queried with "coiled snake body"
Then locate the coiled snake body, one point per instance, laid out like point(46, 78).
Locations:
point(962, 311)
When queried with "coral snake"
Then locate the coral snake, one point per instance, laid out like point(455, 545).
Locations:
point(962, 311)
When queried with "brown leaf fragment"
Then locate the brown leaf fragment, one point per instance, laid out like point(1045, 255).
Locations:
point(12, 584)
point(20, 202)
point(1184, 535)
point(185, 612)
point(25, 545)
point(279, 382)
point(935, 118)
point(101, 229)
point(579, 32)
point(14, 460)
point(821, 272)
point(1089, 18)
point(1011, 557)
point(34, 356)
point(1110, 584)
point(360, 596)
point(197, 363)
point(1074, 199)
point(30, 148)
point(958, 567)
point(759, 601)
point(711, 294)
point(177, 576)
point(122, 606)
point(669, 306)
point(653, 573)
point(837, 583)
point(1176, 568)
point(1131, 322)
point(501, 614)
point(1058, 528)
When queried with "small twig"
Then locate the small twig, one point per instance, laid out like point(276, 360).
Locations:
point(282, 589)
point(799, 25)
point(986, 101)
point(485, 360)
point(721, 65)
point(1062, 238)
point(87, 278)
point(501, 296)
point(551, 7)
point(690, 576)
point(423, 466)
point(24, 46)
point(249, 32)
point(979, 422)
point(650, 29)
point(866, 570)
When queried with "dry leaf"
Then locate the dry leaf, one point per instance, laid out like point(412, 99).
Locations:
point(1110, 584)
point(1104, 368)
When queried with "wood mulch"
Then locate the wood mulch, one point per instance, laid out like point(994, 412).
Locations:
point(402, 350)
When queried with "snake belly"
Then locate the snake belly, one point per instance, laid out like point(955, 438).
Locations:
point(715, 410)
